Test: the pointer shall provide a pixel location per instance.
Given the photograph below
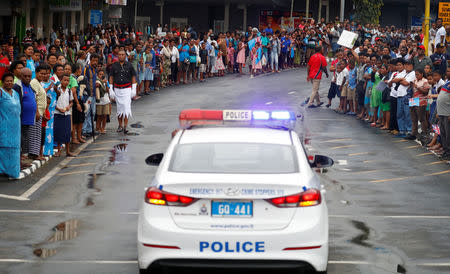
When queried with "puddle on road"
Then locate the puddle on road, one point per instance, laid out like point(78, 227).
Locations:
point(44, 252)
point(383, 258)
point(63, 231)
point(92, 178)
point(91, 184)
point(364, 236)
point(132, 133)
point(137, 125)
point(119, 155)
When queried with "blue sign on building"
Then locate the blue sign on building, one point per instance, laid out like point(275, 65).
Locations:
point(416, 21)
point(96, 17)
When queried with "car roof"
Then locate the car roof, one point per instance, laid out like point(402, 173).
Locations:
point(235, 135)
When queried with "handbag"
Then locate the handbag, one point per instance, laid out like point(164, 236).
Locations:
point(386, 95)
point(264, 61)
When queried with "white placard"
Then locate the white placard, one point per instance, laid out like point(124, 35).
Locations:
point(237, 115)
point(347, 39)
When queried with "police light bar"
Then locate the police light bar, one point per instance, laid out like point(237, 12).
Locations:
point(269, 118)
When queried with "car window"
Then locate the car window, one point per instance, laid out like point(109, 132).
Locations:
point(234, 158)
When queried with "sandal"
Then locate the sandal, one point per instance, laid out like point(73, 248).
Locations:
point(82, 141)
point(24, 165)
point(119, 129)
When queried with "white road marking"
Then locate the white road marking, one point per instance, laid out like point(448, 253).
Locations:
point(268, 103)
point(342, 162)
point(319, 119)
point(13, 197)
point(33, 211)
point(135, 262)
point(393, 216)
point(52, 173)
point(67, 262)
point(337, 140)
point(434, 264)
point(349, 262)
point(137, 213)
point(292, 92)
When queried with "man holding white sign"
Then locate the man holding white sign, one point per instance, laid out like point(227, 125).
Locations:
point(347, 39)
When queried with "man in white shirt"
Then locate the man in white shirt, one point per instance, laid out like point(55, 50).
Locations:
point(401, 83)
point(440, 34)
point(174, 62)
point(212, 57)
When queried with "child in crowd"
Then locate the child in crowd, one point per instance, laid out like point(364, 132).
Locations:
point(351, 87)
point(240, 59)
point(230, 54)
point(48, 85)
point(203, 61)
point(341, 77)
point(256, 62)
point(418, 113)
point(332, 91)
point(436, 82)
point(219, 64)
point(103, 102)
point(62, 127)
point(78, 114)
point(427, 69)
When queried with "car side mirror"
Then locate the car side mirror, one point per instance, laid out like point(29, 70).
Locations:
point(321, 161)
point(154, 160)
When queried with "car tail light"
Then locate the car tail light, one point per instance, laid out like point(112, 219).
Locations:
point(310, 197)
point(156, 196)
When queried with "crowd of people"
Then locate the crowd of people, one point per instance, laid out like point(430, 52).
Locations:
point(58, 91)
point(392, 84)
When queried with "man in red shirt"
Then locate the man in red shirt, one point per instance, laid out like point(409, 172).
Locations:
point(4, 64)
point(316, 65)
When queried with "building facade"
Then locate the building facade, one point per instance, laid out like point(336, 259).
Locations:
point(221, 15)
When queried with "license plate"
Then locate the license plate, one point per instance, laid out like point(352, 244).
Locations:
point(231, 209)
point(237, 115)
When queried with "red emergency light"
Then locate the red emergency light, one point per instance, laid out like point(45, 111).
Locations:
point(196, 117)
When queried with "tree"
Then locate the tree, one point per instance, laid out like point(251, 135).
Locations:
point(368, 11)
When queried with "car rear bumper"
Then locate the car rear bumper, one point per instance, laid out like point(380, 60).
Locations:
point(172, 246)
point(231, 264)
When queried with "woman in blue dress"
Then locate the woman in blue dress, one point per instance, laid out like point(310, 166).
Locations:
point(9, 128)
point(48, 86)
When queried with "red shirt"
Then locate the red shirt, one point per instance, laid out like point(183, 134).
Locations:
point(4, 63)
point(315, 62)
point(335, 61)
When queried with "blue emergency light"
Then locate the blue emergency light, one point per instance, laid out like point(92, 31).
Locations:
point(267, 118)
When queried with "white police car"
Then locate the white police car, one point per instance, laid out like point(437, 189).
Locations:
point(235, 188)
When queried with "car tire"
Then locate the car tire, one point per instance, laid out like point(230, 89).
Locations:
point(142, 271)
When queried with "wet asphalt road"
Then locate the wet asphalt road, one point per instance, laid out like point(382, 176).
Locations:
point(388, 199)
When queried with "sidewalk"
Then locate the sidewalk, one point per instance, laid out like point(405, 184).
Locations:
point(37, 164)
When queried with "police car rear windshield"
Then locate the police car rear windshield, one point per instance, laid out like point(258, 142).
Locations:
point(232, 158)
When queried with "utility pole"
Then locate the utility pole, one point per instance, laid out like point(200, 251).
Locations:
point(427, 25)
point(135, 14)
point(292, 10)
